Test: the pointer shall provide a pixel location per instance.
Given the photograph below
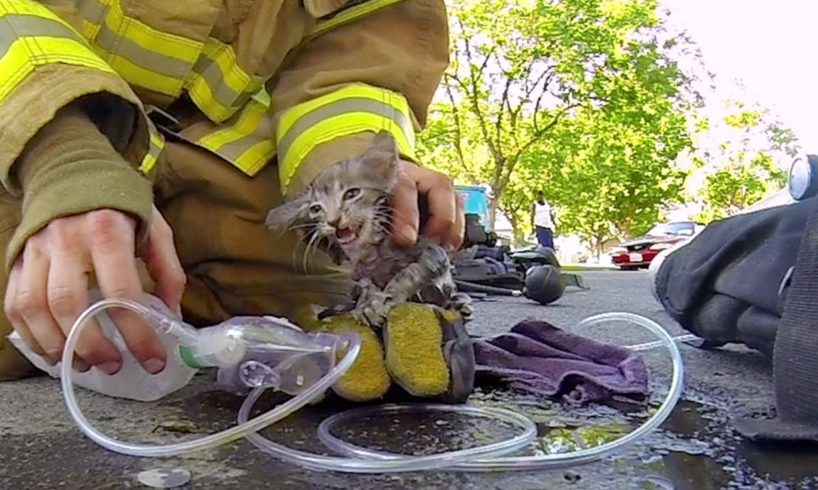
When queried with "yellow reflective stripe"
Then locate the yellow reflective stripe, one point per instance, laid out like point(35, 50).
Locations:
point(349, 15)
point(168, 63)
point(157, 143)
point(143, 35)
point(143, 56)
point(248, 121)
point(18, 62)
point(217, 84)
point(263, 98)
point(353, 109)
point(248, 143)
point(89, 30)
point(233, 76)
point(256, 157)
point(92, 13)
point(32, 36)
point(144, 77)
point(30, 8)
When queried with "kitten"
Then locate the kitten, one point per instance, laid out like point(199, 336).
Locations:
point(346, 212)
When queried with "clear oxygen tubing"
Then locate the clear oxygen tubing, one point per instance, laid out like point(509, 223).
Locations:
point(363, 460)
point(207, 442)
point(249, 427)
point(400, 463)
point(509, 463)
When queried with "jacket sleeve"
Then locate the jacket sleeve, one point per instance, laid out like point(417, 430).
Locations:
point(376, 73)
point(54, 89)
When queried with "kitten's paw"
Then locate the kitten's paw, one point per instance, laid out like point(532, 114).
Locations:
point(461, 303)
point(375, 309)
point(361, 290)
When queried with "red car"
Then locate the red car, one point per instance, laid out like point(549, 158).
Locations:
point(639, 252)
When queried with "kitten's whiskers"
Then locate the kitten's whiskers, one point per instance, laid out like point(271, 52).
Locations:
point(313, 241)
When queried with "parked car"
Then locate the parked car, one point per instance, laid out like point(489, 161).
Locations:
point(639, 252)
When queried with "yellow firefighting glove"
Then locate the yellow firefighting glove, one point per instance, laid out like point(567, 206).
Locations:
point(423, 349)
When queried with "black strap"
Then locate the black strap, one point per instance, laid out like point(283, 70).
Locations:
point(795, 354)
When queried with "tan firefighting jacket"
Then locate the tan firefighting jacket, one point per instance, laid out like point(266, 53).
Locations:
point(248, 80)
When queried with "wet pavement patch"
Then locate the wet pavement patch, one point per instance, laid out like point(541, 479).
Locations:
point(747, 463)
point(422, 434)
point(695, 448)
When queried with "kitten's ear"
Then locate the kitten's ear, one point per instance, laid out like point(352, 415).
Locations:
point(281, 217)
point(382, 158)
point(385, 143)
point(383, 151)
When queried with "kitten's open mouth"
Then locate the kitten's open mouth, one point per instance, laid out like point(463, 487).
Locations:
point(346, 236)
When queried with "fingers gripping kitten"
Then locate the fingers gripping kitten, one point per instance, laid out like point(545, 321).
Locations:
point(346, 212)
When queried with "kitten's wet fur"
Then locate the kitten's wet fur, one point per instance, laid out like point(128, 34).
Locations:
point(346, 212)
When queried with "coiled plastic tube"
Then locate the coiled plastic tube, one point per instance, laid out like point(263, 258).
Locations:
point(246, 427)
point(549, 460)
point(400, 463)
point(213, 440)
point(365, 460)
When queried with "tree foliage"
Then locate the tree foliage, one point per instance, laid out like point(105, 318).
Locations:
point(582, 99)
point(740, 158)
point(617, 184)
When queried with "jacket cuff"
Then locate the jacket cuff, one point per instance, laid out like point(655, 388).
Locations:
point(47, 66)
point(69, 168)
point(341, 124)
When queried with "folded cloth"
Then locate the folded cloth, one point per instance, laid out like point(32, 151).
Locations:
point(541, 359)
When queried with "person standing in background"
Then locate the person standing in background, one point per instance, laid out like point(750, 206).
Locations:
point(544, 222)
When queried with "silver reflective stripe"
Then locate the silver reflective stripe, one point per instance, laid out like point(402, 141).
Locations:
point(154, 148)
point(136, 54)
point(93, 11)
point(15, 26)
point(151, 158)
point(160, 61)
point(224, 95)
point(264, 132)
point(346, 106)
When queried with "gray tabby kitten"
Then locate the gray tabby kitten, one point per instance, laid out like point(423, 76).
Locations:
point(346, 212)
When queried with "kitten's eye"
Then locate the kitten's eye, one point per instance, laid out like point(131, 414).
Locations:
point(351, 193)
point(315, 208)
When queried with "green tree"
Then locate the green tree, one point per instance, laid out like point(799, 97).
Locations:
point(741, 158)
point(616, 183)
point(542, 95)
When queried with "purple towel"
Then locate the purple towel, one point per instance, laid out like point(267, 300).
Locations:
point(541, 359)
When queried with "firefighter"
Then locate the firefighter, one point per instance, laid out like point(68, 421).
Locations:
point(143, 142)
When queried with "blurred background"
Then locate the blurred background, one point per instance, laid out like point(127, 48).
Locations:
point(633, 117)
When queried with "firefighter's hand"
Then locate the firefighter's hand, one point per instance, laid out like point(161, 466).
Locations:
point(446, 217)
point(48, 286)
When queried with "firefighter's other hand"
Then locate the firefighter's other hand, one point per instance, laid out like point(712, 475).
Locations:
point(48, 286)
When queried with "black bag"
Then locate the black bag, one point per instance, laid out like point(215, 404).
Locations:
point(753, 279)
point(728, 284)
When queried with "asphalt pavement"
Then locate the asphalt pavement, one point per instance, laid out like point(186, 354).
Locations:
point(695, 449)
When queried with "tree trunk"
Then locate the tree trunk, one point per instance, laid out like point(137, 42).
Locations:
point(492, 212)
point(598, 241)
point(515, 229)
point(497, 189)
